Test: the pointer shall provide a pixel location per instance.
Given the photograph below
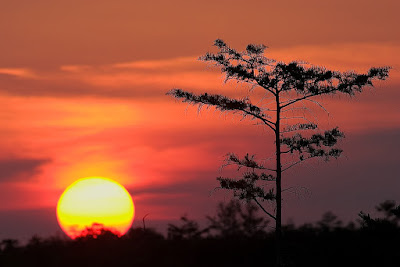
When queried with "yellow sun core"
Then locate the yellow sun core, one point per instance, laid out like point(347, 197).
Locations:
point(95, 201)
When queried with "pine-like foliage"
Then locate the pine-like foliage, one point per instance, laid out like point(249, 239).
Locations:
point(289, 85)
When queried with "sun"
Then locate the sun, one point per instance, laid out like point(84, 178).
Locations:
point(92, 201)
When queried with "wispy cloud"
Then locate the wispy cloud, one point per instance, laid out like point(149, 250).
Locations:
point(152, 78)
point(17, 169)
point(18, 72)
point(165, 64)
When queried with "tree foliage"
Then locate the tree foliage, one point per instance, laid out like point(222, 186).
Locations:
point(238, 237)
point(288, 86)
point(390, 220)
point(188, 230)
point(234, 220)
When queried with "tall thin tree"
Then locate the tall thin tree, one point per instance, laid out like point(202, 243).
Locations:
point(288, 85)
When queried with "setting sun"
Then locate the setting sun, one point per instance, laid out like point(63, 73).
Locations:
point(95, 200)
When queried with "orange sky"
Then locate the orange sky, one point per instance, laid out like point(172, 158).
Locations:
point(82, 93)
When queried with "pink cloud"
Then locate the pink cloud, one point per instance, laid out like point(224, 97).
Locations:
point(18, 72)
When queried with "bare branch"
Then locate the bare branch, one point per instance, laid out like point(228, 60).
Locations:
point(318, 104)
point(299, 99)
point(264, 210)
point(296, 163)
point(297, 117)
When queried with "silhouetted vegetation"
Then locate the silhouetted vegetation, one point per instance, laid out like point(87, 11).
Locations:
point(282, 108)
point(234, 236)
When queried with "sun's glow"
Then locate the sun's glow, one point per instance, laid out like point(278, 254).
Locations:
point(95, 200)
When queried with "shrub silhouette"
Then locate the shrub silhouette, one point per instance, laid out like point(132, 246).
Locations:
point(323, 243)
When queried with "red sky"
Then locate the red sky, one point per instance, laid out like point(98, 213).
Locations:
point(82, 93)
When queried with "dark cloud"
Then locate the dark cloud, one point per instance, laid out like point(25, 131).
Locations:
point(23, 224)
point(200, 181)
point(16, 168)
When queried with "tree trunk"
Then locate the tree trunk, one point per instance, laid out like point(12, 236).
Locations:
point(278, 227)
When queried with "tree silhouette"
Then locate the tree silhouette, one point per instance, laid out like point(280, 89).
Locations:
point(390, 220)
point(98, 231)
point(234, 220)
point(8, 244)
point(139, 233)
point(287, 87)
point(189, 229)
point(329, 222)
point(237, 240)
point(390, 210)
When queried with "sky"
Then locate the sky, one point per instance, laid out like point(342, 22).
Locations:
point(82, 93)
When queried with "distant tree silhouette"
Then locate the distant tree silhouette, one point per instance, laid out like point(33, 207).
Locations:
point(390, 210)
point(329, 222)
point(188, 229)
point(35, 241)
point(140, 233)
point(234, 220)
point(8, 244)
point(324, 243)
point(226, 222)
point(287, 87)
point(98, 231)
point(390, 220)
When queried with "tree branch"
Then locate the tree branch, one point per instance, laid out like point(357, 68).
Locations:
point(297, 162)
point(223, 103)
point(304, 97)
point(264, 210)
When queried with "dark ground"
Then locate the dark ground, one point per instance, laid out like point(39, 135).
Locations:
point(231, 239)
